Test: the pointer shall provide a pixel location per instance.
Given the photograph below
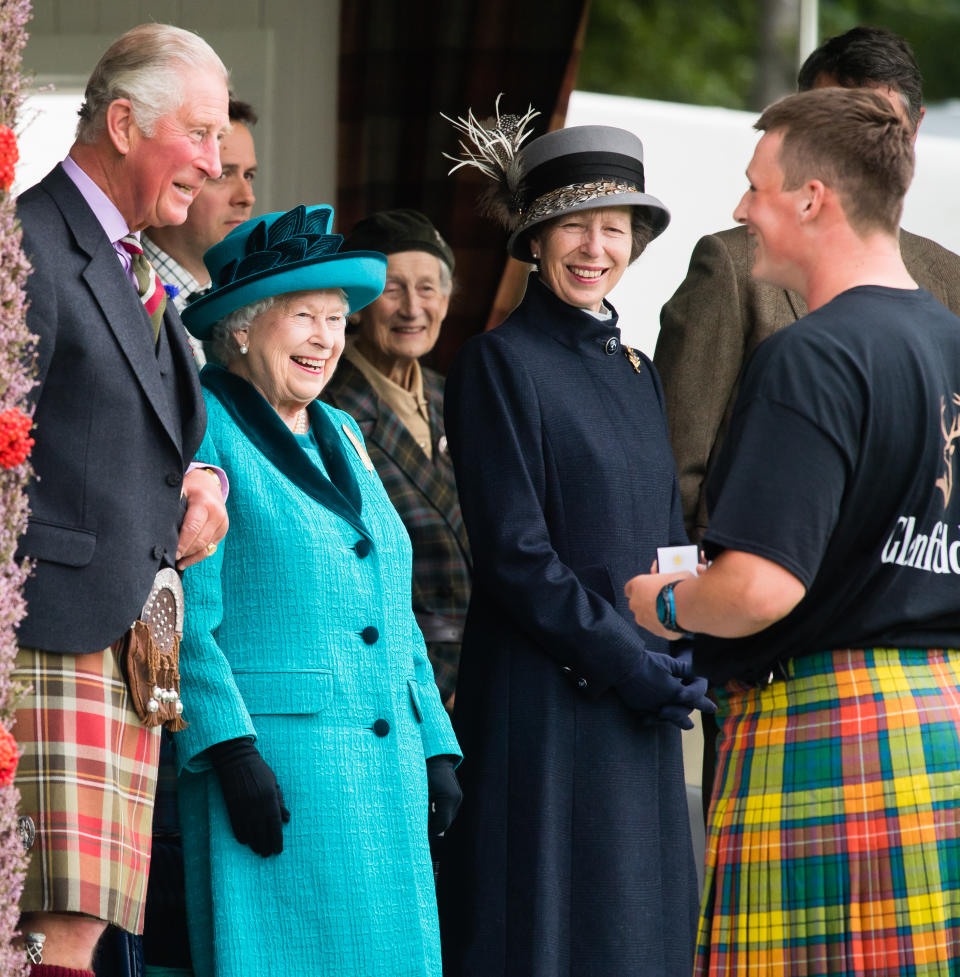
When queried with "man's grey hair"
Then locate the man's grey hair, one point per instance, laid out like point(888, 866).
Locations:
point(446, 278)
point(146, 66)
point(222, 346)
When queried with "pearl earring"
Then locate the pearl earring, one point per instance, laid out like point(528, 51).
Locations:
point(243, 349)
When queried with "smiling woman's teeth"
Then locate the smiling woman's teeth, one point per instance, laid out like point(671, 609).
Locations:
point(308, 363)
point(587, 272)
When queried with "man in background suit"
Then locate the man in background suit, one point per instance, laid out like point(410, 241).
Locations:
point(118, 417)
point(399, 407)
point(719, 314)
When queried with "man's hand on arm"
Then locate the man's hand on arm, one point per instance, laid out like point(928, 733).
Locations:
point(205, 521)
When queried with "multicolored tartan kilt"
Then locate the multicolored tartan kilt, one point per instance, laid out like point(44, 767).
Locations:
point(87, 778)
point(834, 829)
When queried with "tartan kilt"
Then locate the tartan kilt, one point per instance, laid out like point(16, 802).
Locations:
point(834, 828)
point(87, 777)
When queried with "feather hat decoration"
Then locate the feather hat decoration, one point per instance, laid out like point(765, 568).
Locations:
point(492, 146)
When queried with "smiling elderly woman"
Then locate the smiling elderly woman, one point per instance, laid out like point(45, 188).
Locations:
point(317, 736)
point(572, 854)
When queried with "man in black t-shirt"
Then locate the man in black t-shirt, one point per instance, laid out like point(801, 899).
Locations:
point(829, 613)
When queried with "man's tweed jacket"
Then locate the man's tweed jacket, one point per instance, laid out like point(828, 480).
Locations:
point(716, 319)
point(425, 495)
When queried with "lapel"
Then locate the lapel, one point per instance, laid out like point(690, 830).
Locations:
point(796, 303)
point(447, 500)
point(434, 479)
point(123, 312)
point(340, 493)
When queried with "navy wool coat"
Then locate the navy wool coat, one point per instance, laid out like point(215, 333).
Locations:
point(571, 855)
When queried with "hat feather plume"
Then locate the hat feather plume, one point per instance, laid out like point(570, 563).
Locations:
point(492, 146)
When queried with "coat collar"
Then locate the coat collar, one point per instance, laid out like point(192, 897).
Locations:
point(574, 328)
point(340, 493)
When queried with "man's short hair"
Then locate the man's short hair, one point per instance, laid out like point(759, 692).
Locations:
point(242, 112)
point(868, 57)
point(854, 142)
point(145, 66)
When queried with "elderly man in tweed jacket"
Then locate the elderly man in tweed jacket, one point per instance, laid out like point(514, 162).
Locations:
point(399, 407)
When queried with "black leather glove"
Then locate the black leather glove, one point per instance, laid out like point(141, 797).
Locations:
point(252, 795)
point(666, 688)
point(444, 791)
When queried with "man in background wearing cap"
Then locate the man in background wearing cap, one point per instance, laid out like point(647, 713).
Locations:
point(176, 251)
point(399, 406)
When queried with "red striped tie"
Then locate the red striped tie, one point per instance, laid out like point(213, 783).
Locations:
point(149, 286)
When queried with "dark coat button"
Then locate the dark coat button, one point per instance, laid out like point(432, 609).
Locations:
point(157, 552)
point(174, 479)
point(370, 634)
point(612, 345)
point(566, 669)
point(362, 547)
point(582, 682)
point(381, 727)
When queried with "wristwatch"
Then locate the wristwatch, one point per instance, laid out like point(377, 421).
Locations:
point(667, 608)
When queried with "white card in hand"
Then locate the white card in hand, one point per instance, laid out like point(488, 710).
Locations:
point(673, 559)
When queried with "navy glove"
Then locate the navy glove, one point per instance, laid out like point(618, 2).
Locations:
point(252, 795)
point(666, 688)
point(444, 791)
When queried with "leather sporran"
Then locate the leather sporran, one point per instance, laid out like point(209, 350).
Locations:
point(150, 652)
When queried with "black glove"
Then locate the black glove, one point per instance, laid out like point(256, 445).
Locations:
point(665, 687)
point(252, 795)
point(444, 791)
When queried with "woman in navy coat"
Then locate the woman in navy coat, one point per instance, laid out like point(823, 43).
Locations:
point(572, 854)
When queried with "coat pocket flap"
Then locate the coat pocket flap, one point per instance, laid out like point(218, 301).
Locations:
point(58, 544)
point(414, 686)
point(285, 693)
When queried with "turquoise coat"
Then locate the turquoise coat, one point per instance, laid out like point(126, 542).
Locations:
point(300, 633)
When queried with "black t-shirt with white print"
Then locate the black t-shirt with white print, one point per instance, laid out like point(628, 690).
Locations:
point(843, 466)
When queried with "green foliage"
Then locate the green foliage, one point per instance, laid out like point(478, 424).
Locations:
point(931, 26)
point(676, 50)
point(705, 52)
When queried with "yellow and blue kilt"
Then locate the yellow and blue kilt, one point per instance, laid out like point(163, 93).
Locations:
point(834, 829)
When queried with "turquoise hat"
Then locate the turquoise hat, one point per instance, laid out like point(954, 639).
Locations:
point(280, 253)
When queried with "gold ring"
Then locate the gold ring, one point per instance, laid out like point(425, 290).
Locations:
point(211, 549)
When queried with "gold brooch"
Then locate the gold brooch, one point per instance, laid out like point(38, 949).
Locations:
point(634, 357)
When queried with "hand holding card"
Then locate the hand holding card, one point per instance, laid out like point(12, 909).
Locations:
point(676, 559)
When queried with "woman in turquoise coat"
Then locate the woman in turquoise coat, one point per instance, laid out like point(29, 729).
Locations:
point(317, 742)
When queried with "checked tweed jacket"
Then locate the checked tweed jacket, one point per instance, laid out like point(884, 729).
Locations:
point(424, 493)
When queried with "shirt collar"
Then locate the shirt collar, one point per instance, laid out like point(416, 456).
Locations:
point(111, 220)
